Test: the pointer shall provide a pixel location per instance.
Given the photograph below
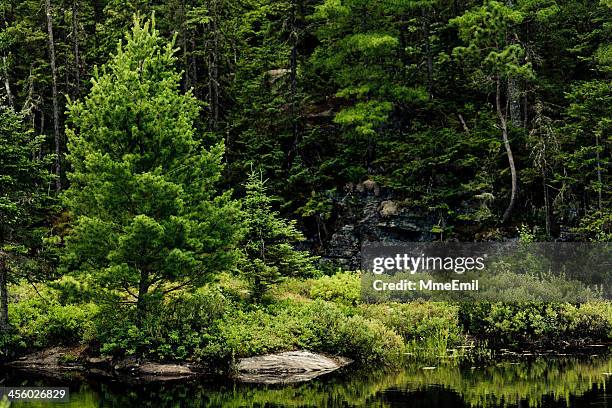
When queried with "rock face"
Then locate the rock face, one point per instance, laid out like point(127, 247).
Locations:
point(368, 213)
point(287, 367)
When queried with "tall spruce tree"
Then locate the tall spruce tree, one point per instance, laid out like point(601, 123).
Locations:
point(147, 218)
point(269, 241)
point(24, 198)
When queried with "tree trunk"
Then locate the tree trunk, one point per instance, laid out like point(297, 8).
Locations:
point(75, 41)
point(4, 322)
point(293, 61)
point(5, 73)
point(56, 131)
point(599, 178)
point(183, 40)
point(514, 94)
point(194, 68)
point(141, 302)
point(42, 129)
point(428, 53)
point(7, 83)
point(28, 105)
point(215, 68)
point(504, 128)
point(546, 202)
point(525, 111)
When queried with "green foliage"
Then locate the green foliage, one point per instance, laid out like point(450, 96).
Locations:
point(357, 61)
point(429, 329)
point(24, 179)
point(366, 116)
point(417, 320)
point(543, 324)
point(146, 213)
point(269, 241)
point(180, 328)
point(342, 287)
point(486, 29)
point(40, 320)
point(588, 147)
point(318, 326)
point(24, 202)
point(206, 328)
point(320, 96)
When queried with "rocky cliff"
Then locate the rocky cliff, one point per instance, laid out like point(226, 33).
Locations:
point(367, 213)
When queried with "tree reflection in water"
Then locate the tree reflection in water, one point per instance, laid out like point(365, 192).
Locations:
point(542, 381)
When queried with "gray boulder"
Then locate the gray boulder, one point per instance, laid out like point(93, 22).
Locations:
point(287, 367)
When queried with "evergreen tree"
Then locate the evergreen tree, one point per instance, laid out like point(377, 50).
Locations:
point(361, 52)
point(497, 60)
point(269, 241)
point(24, 199)
point(147, 219)
point(588, 145)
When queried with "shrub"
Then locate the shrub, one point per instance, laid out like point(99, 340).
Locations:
point(417, 320)
point(295, 286)
point(343, 287)
point(593, 321)
point(10, 343)
point(429, 328)
point(43, 322)
point(369, 341)
point(318, 326)
point(518, 324)
point(256, 332)
point(175, 329)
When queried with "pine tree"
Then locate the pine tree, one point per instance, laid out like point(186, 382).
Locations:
point(362, 52)
point(497, 58)
point(269, 241)
point(24, 186)
point(147, 218)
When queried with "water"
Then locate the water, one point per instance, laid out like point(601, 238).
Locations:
point(579, 381)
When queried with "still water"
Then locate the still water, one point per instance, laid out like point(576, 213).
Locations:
point(578, 381)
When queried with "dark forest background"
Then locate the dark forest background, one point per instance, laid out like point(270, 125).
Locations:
point(417, 97)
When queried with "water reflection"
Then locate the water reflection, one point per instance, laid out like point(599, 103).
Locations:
point(540, 382)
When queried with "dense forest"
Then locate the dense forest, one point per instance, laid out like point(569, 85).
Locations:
point(174, 174)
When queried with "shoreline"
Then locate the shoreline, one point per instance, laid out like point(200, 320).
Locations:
point(284, 367)
point(73, 362)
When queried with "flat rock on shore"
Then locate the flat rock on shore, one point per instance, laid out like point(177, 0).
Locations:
point(287, 367)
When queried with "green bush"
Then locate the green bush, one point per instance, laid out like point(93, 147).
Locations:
point(369, 341)
point(428, 328)
point(593, 321)
point(342, 287)
point(173, 330)
point(417, 320)
point(256, 332)
point(318, 326)
point(295, 286)
point(514, 325)
point(11, 343)
point(41, 321)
